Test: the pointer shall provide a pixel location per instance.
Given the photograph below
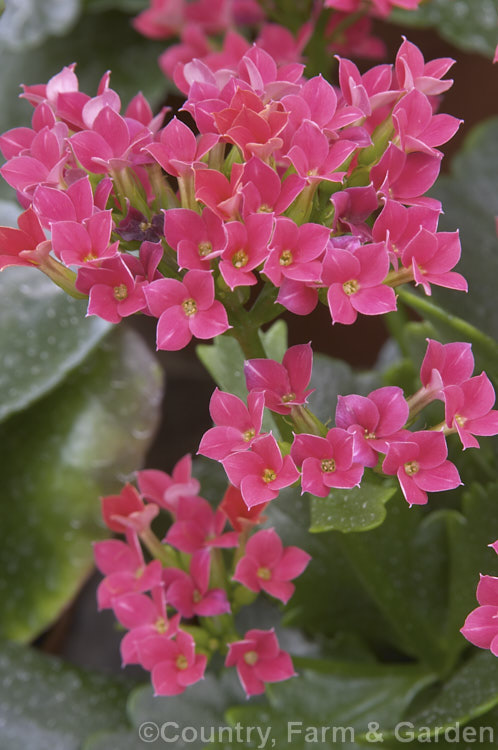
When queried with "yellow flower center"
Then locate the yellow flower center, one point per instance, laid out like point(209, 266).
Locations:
point(286, 258)
point(411, 468)
point(369, 435)
point(205, 248)
point(288, 397)
point(328, 465)
point(249, 434)
point(181, 662)
point(269, 475)
point(144, 225)
point(120, 292)
point(350, 287)
point(264, 573)
point(161, 625)
point(189, 307)
point(240, 259)
point(251, 658)
point(89, 257)
point(197, 596)
point(460, 420)
point(265, 208)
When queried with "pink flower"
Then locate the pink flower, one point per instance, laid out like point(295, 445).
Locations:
point(190, 594)
point(113, 291)
point(178, 151)
point(197, 525)
point(240, 516)
point(173, 663)
point(468, 409)
point(144, 617)
point(262, 189)
point(126, 510)
point(125, 570)
point(326, 462)
point(165, 490)
point(259, 659)
point(268, 566)
point(196, 239)
point(406, 177)
point(413, 72)
point(294, 251)
point(417, 128)
point(421, 466)
point(432, 256)
point(84, 243)
point(284, 385)
point(446, 364)
point(185, 308)
point(237, 425)
point(247, 248)
point(374, 420)
point(312, 156)
point(355, 282)
point(261, 472)
point(481, 625)
point(25, 246)
point(74, 204)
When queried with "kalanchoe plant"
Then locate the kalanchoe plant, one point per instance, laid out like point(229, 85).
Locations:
point(270, 190)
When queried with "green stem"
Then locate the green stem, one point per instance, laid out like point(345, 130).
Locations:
point(165, 554)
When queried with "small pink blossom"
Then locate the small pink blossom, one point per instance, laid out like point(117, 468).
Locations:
point(113, 291)
point(285, 384)
point(189, 593)
point(240, 516)
point(295, 251)
point(355, 282)
point(468, 409)
point(326, 462)
point(185, 308)
point(421, 465)
point(196, 239)
point(259, 659)
point(84, 243)
point(25, 246)
point(373, 420)
point(481, 625)
point(247, 248)
point(268, 566)
point(165, 490)
point(446, 364)
point(261, 472)
point(197, 526)
point(432, 256)
point(174, 663)
point(237, 425)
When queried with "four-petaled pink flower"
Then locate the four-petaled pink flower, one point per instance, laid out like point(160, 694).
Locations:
point(373, 420)
point(185, 308)
point(259, 659)
point(326, 462)
point(190, 594)
point(174, 663)
point(261, 472)
point(237, 425)
point(197, 525)
point(468, 409)
point(268, 566)
point(165, 490)
point(125, 570)
point(421, 466)
point(355, 282)
point(481, 625)
point(284, 385)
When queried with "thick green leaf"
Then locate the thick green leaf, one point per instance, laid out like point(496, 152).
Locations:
point(25, 23)
point(471, 692)
point(44, 335)
point(470, 203)
point(224, 360)
point(161, 721)
point(46, 705)
point(359, 509)
point(467, 25)
point(346, 700)
point(57, 458)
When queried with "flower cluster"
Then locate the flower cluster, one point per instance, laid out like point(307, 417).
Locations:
point(481, 625)
point(178, 608)
point(312, 191)
point(370, 432)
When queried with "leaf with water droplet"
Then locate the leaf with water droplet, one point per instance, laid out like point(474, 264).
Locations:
point(57, 458)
